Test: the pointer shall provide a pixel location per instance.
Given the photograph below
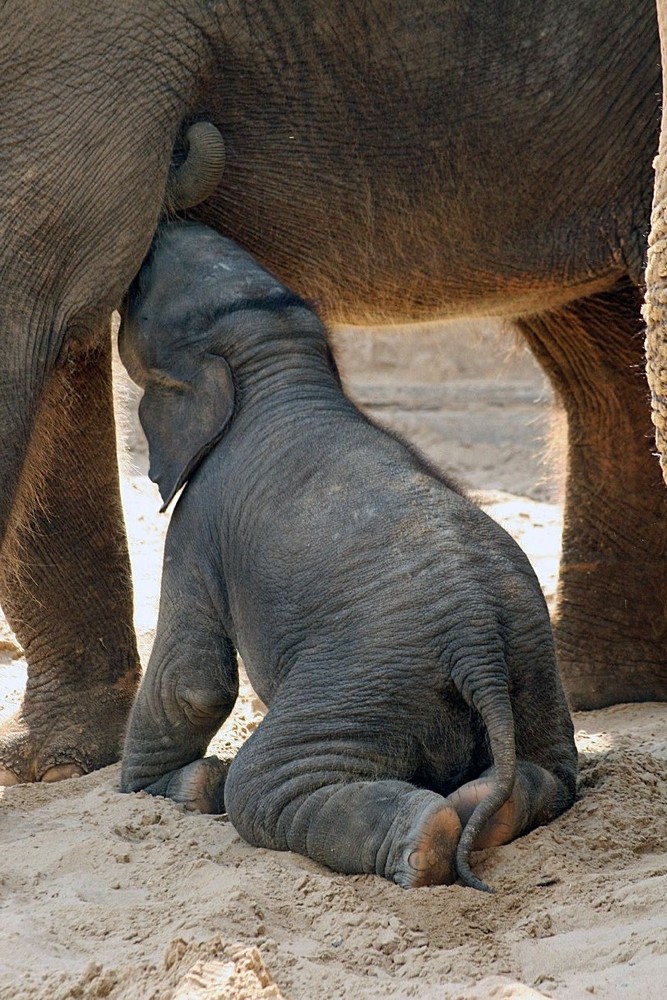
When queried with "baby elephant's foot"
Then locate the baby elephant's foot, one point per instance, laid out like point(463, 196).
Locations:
point(199, 786)
point(431, 861)
point(503, 826)
point(537, 798)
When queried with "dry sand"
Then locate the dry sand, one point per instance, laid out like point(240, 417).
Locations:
point(129, 897)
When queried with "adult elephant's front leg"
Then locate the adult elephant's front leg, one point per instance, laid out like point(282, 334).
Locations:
point(611, 625)
point(65, 582)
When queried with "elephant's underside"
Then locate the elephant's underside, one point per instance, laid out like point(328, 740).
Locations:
point(504, 170)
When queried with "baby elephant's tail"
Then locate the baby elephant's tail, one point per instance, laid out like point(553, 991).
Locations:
point(485, 687)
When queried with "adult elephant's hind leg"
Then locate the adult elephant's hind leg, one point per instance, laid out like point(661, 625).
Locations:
point(611, 622)
point(65, 582)
point(333, 804)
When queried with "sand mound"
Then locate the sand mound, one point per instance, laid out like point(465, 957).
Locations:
point(128, 896)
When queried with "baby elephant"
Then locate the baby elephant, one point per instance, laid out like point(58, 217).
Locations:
point(398, 635)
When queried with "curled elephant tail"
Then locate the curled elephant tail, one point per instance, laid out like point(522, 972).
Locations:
point(484, 686)
point(198, 176)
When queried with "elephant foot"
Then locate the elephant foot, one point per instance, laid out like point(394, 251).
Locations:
point(199, 786)
point(611, 633)
point(58, 735)
point(595, 676)
point(504, 825)
point(431, 860)
point(58, 773)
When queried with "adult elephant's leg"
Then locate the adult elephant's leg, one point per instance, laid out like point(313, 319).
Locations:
point(610, 624)
point(65, 581)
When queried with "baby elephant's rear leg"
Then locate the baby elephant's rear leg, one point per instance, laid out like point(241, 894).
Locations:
point(386, 827)
point(538, 797)
point(333, 804)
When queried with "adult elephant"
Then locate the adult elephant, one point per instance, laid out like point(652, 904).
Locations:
point(391, 161)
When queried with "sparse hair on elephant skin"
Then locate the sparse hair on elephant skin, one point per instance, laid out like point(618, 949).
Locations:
point(397, 634)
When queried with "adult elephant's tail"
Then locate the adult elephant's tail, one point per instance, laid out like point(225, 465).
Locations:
point(655, 310)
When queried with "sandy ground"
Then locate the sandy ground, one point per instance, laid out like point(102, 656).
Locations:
point(128, 897)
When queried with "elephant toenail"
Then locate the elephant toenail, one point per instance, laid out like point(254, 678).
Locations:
point(62, 771)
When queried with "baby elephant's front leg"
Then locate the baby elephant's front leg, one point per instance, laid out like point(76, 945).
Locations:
point(199, 786)
point(189, 689)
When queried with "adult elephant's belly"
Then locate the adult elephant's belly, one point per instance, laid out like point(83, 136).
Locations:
point(447, 174)
point(369, 242)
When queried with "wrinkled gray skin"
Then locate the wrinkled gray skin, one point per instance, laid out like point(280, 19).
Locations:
point(390, 161)
point(398, 635)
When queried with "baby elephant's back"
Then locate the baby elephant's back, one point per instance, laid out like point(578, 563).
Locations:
point(368, 532)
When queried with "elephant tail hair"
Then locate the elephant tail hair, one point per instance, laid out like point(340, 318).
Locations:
point(487, 690)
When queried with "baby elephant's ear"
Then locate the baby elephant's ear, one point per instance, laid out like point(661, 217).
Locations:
point(183, 419)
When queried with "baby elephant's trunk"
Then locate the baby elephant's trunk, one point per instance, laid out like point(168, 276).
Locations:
point(486, 689)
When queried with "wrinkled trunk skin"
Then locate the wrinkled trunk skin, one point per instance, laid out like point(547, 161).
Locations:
point(655, 309)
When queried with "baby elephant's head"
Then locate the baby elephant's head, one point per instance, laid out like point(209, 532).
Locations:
point(180, 327)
